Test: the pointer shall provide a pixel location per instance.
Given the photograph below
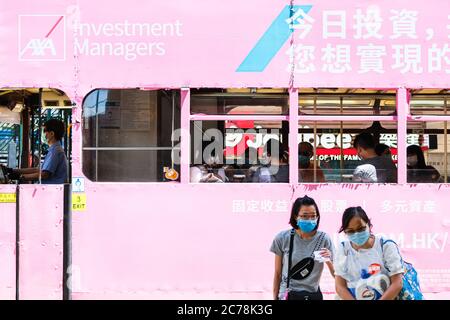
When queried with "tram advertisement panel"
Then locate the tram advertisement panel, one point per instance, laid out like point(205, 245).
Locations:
point(228, 43)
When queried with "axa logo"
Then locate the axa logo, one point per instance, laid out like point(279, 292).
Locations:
point(42, 38)
point(273, 39)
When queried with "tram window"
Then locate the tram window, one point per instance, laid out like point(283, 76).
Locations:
point(240, 101)
point(430, 102)
point(428, 152)
point(9, 137)
point(342, 101)
point(127, 135)
point(239, 151)
point(326, 152)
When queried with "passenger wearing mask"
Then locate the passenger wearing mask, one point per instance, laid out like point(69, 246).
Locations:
point(368, 267)
point(54, 168)
point(418, 171)
point(301, 254)
point(306, 166)
point(275, 164)
point(212, 169)
point(383, 150)
point(386, 171)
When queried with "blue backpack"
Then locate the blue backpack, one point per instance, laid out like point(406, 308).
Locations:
point(411, 287)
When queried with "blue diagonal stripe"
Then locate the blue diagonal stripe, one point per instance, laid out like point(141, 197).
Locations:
point(271, 42)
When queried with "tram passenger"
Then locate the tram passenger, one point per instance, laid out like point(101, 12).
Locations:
point(244, 169)
point(386, 170)
point(306, 166)
point(382, 149)
point(212, 169)
point(418, 171)
point(276, 167)
point(303, 250)
point(367, 267)
point(54, 168)
point(251, 160)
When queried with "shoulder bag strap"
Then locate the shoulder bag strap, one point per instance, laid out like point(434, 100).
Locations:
point(291, 246)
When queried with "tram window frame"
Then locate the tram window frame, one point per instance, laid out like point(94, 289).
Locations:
point(333, 158)
point(339, 94)
point(441, 117)
point(283, 94)
point(168, 174)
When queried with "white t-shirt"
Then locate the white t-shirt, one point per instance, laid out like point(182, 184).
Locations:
point(350, 263)
point(365, 173)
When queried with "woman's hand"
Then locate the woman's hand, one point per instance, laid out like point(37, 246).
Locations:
point(326, 253)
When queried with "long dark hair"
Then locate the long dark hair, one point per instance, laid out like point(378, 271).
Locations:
point(303, 201)
point(417, 150)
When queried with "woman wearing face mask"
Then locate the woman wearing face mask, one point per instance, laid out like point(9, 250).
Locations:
point(275, 164)
point(306, 166)
point(212, 170)
point(303, 250)
point(418, 171)
point(368, 267)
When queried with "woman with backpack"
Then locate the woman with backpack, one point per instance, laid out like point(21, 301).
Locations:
point(367, 267)
point(300, 254)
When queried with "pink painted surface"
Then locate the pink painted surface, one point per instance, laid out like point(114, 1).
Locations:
point(293, 136)
point(191, 47)
point(185, 135)
point(41, 242)
point(198, 244)
point(402, 112)
point(7, 246)
point(185, 241)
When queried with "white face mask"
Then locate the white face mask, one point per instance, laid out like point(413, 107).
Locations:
point(412, 161)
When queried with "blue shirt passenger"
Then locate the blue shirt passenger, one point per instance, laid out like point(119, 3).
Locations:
point(55, 163)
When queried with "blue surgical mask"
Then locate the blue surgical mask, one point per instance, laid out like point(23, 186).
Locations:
point(307, 225)
point(359, 238)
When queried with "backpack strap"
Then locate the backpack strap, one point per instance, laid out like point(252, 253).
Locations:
point(382, 243)
point(291, 246)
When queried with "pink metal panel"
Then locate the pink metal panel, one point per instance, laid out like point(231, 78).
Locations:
point(429, 118)
point(402, 111)
point(186, 46)
point(212, 240)
point(293, 136)
point(185, 135)
point(7, 246)
point(347, 118)
point(238, 117)
point(41, 241)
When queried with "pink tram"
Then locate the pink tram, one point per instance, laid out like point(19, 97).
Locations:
point(141, 85)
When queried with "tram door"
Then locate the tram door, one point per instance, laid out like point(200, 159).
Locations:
point(33, 214)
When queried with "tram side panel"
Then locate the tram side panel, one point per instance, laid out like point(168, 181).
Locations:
point(169, 241)
point(7, 242)
point(210, 241)
point(41, 242)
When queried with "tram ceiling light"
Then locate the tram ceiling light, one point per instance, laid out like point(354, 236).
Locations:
point(271, 90)
point(428, 102)
point(238, 90)
point(335, 102)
